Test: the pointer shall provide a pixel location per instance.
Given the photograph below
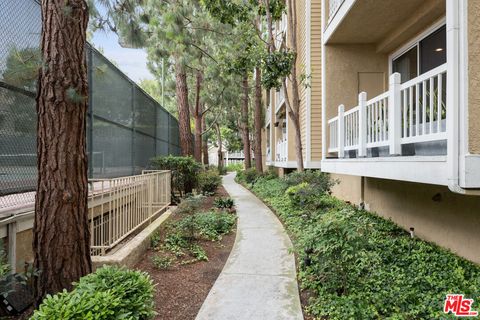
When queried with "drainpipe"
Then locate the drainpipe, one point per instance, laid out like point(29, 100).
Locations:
point(456, 47)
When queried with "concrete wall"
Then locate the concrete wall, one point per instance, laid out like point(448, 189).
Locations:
point(474, 76)
point(437, 215)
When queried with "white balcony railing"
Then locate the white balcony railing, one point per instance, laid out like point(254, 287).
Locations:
point(411, 112)
point(279, 99)
point(333, 6)
point(281, 151)
point(268, 115)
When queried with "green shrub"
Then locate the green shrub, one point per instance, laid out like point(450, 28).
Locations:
point(314, 178)
point(212, 225)
point(190, 204)
point(155, 239)
point(134, 288)
point(209, 181)
point(184, 171)
point(91, 305)
point(233, 167)
point(162, 262)
point(356, 265)
point(224, 203)
point(109, 293)
point(248, 176)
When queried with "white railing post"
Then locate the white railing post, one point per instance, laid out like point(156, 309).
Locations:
point(362, 124)
point(341, 131)
point(395, 115)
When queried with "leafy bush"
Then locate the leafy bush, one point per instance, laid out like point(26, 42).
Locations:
point(209, 181)
point(224, 203)
point(248, 176)
point(184, 171)
point(314, 178)
point(182, 234)
point(233, 167)
point(356, 265)
point(162, 262)
point(109, 293)
point(190, 204)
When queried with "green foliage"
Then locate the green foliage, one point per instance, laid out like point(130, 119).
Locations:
point(162, 262)
point(109, 293)
point(209, 181)
point(233, 167)
point(4, 266)
point(276, 66)
point(356, 265)
point(155, 239)
point(190, 204)
point(248, 176)
point(182, 234)
point(224, 203)
point(314, 178)
point(184, 171)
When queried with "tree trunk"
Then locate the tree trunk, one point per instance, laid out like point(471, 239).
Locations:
point(198, 115)
point(186, 143)
point(258, 121)
point(61, 235)
point(205, 142)
point(244, 122)
point(294, 106)
point(220, 147)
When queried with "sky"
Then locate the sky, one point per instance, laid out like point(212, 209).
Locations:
point(133, 62)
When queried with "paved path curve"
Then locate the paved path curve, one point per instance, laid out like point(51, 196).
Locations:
point(258, 280)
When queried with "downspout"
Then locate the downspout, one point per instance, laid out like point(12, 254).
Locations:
point(457, 46)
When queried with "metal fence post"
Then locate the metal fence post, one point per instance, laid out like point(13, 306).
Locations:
point(90, 112)
point(133, 128)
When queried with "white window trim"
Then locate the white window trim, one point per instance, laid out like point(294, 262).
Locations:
point(414, 42)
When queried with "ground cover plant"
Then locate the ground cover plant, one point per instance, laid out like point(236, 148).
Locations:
point(181, 242)
point(354, 264)
point(109, 293)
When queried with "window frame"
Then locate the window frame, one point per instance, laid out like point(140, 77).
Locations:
point(415, 42)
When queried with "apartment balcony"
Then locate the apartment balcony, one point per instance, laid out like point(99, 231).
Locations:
point(282, 151)
point(400, 134)
point(268, 115)
point(279, 99)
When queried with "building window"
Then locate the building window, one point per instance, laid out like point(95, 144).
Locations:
point(425, 55)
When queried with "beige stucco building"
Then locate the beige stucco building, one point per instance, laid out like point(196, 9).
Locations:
point(393, 111)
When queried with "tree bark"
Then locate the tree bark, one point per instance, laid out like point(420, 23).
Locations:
point(61, 235)
point(220, 146)
point(198, 115)
point(205, 142)
point(258, 121)
point(186, 143)
point(294, 106)
point(244, 123)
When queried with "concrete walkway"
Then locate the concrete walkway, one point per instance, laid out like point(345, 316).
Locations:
point(258, 280)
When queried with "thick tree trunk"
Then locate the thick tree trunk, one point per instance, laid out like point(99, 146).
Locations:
point(198, 115)
point(220, 147)
point(61, 235)
point(258, 121)
point(183, 108)
point(244, 123)
point(205, 142)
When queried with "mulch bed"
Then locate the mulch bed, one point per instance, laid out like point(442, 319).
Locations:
point(181, 289)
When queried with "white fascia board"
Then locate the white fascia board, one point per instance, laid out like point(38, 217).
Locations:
point(337, 19)
point(429, 170)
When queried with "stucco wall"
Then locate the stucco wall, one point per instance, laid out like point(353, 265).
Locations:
point(474, 76)
point(437, 215)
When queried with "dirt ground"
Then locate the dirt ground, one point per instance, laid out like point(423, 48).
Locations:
point(181, 289)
